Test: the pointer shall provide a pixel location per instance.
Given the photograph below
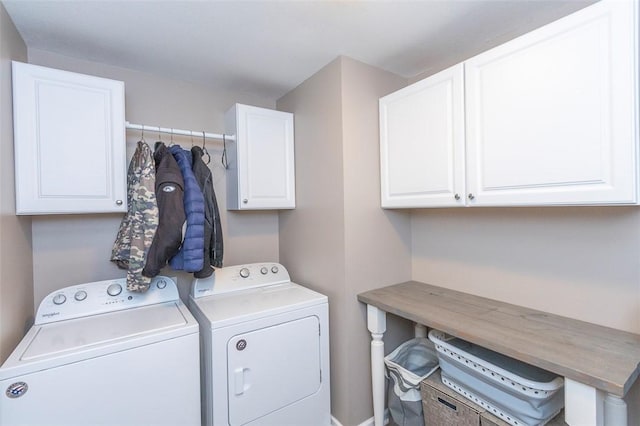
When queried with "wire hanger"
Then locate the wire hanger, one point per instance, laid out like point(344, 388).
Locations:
point(159, 142)
point(204, 149)
point(141, 142)
point(225, 159)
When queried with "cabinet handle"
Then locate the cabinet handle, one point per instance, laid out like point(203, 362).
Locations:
point(245, 201)
point(457, 197)
point(471, 196)
point(119, 202)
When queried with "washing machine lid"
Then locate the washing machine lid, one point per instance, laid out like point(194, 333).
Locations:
point(226, 309)
point(63, 342)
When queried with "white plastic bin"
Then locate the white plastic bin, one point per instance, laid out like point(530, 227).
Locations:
point(518, 393)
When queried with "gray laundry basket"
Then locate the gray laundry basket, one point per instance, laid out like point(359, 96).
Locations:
point(408, 365)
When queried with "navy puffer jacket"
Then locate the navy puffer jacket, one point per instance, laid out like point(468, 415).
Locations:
point(189, 258)
point(213, 245)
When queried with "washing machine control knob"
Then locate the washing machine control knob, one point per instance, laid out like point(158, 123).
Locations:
point(80, 295)
point(59, 299)
point(274, 269)
point(114, 289)
point(264, 270)
point(244, 272)
point(161, 284)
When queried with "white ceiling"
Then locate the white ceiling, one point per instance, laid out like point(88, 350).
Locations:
point(269, 47)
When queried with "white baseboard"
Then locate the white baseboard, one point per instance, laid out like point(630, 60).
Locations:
point(368, 422)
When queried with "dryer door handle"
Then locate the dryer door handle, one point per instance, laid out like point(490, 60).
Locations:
point(239, 379)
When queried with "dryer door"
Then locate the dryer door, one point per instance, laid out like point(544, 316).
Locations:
point(271, 368)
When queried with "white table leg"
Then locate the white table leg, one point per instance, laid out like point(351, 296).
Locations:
point(420, 330)
point(583, 405)
point(377, 325)
point(615, 411)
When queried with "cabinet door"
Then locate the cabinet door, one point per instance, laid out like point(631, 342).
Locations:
point(262, 163)
point(550, 115)
point(272, 368)
point(422, 143)
point(69, 140)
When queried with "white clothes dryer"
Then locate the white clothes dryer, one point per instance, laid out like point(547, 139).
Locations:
point(265, 348)
point(100, 355)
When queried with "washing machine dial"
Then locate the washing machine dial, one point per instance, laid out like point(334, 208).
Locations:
point(59, 299)
point(114, 289)
point(80, 295)
point(244, 272)
point(161, 284)
point(264, 270)
point(274, 269)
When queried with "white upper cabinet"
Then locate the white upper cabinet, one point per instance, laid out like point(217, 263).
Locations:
point(422, 143)
point(550, 118)
point(551, 115)
point(261, 173)
point(69, 142)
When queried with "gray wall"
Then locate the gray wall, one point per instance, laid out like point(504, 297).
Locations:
point(580, 262)
point(337, 240)
point(71, 249)
point(16, 290)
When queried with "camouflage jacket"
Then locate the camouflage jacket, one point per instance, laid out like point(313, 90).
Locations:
point(139, 224)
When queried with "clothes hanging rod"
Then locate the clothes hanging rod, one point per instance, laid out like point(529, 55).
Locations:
point(195, 134)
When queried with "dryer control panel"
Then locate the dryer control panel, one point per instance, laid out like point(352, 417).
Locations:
point(240, 277)
point(101, 297)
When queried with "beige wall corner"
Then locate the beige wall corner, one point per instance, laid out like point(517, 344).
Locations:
point(338, 240)
point(377, 241)
point(312, 235)
point(16, 273)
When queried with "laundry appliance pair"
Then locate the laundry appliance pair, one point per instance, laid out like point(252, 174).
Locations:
point(98, 354)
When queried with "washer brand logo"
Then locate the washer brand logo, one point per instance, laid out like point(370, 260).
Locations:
point(241, 345)
point(17, 389)
point(50, 314)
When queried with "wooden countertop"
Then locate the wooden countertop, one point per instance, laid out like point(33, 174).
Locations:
point(601, 357)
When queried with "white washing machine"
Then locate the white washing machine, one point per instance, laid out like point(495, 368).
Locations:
point(100, 355)
point(265, 348)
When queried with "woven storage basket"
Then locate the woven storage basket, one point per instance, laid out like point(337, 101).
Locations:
point(441, 409)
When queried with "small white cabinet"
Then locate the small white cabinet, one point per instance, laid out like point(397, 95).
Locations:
point(422, 143)
point(261, 173)
point(69, 142)
point(549, 118)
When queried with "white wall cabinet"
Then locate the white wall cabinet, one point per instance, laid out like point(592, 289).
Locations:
point(69, 142)
point(422, 143)
point(550, 118)
point(261, 173)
